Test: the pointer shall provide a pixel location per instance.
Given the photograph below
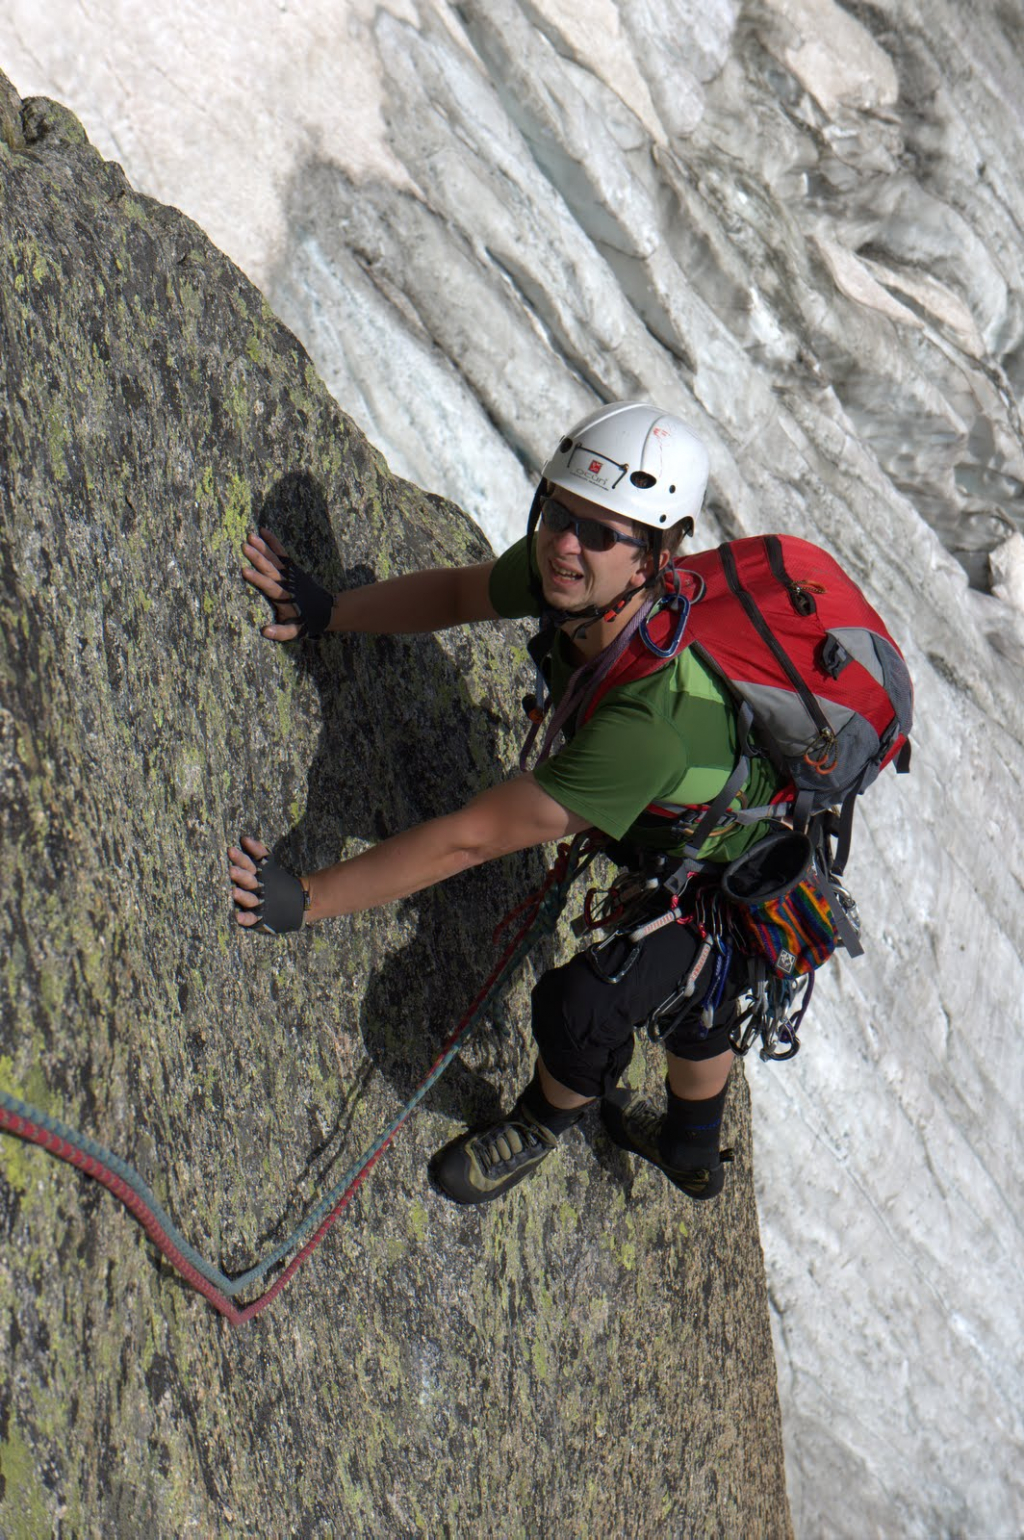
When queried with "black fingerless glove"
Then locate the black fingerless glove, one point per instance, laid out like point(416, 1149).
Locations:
point(310, 598)
point(283, 899)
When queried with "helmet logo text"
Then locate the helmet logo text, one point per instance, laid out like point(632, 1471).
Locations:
point(597, 469)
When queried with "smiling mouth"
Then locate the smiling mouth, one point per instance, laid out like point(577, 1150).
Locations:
point(564, 574)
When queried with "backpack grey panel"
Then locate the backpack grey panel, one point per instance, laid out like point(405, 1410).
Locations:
point(858, 757)
point(787, 718)
point(783, 714)
point(885, 664)
point(897, 681)
point(860, 644)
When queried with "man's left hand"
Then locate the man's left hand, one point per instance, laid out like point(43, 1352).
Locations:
point(265, 894)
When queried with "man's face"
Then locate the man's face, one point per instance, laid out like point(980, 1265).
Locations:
point(573, 577)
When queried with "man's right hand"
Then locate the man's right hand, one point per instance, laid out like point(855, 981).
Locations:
point(302, 606)
point(399, 606)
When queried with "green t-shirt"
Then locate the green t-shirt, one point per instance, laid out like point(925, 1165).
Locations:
point(668, 739)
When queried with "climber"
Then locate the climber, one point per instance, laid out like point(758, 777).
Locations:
point(615, 500)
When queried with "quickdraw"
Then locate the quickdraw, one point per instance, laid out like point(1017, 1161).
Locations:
point(673, 915)
point(777, 1010)
point(777, 1005)
point(716, 988)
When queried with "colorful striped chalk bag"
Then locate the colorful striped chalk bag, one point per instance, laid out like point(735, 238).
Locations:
point(778, 906)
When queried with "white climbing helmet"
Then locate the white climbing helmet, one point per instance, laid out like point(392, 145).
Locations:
point(633, 460)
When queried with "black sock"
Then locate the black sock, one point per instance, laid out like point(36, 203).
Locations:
point(691, 1130)
point(555, 1119)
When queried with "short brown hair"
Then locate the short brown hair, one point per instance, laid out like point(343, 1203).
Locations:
point(672, 539)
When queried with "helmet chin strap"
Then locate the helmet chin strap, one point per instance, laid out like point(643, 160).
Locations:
point(597, 612)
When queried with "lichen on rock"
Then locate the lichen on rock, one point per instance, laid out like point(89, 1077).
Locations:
point(589, 1357)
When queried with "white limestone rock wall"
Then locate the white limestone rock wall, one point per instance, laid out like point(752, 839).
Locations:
point(798, 224)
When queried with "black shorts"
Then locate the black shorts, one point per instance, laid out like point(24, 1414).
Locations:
point(584, 1019)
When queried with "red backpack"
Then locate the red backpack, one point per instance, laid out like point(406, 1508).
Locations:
point(821, 689)
point(821, 686)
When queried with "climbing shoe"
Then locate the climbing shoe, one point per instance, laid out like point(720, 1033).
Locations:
point(635, 1124)
point(477, 1168)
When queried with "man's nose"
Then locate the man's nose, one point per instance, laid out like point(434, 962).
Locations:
point(568, 540)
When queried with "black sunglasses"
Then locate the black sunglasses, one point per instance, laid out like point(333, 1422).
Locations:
point(591, 535)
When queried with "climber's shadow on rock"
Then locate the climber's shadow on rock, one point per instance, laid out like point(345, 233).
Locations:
point(402, 742)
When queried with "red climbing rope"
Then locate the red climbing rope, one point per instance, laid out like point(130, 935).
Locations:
point(17, 1117)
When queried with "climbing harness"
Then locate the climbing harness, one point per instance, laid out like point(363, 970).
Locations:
point(631, 910)
point(768, 908)
point(536, 916)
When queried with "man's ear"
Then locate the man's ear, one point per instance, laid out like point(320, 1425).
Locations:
point(646, 568)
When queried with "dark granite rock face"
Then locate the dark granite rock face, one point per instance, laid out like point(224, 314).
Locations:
point(591, 1357)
